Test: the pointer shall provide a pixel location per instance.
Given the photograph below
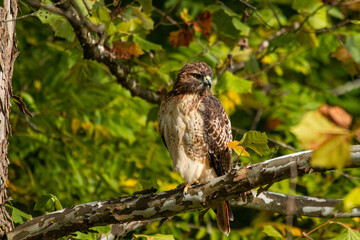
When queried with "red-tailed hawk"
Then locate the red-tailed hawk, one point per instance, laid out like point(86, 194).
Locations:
point(196, 131)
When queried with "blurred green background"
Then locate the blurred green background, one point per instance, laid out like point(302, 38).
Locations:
point(89, 139)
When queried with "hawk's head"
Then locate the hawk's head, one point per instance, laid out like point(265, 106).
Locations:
point(194, 77)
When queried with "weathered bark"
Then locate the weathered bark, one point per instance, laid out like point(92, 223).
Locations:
point(269, 201)
point(171, 203)
point(8, 52)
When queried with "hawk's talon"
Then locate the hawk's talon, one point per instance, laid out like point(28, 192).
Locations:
point(188, 185)
point(186, 188)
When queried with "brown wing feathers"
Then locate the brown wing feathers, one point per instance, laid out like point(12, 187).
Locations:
point(217, 134)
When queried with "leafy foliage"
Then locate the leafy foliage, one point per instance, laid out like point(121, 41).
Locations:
point(274, 64)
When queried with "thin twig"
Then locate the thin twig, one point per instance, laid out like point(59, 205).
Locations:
point(166, 14)
point(256, 13)
point(274, 12)
point(257, 118)
point(308, 16)
point(87, 7)
point(170, 19)
point(346, 175)
point(324, 30)
point(19, 18)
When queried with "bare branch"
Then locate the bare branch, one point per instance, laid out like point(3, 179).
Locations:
point(303, 205)
point(170, 203)
point(347, 87)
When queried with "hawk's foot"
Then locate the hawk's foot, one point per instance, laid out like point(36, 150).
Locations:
point(188, 185)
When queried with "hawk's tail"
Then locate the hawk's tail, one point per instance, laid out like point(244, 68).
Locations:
point(223, 215)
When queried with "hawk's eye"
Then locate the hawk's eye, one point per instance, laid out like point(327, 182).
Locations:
point(196, 75)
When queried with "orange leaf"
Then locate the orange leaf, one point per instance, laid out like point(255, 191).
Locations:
point(273, 123)
point(182, 37)
point(125, 50)
point(204, 23)
point(344, 56)
point(337, 115)
point(238, 149)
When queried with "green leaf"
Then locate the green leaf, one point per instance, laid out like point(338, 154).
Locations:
point(146, 21)
point(244, 29)
point(152, 114)
point(146, 5)
point(306, 6)
point(335, 12)
point(82, 7)
point(355, 21)
point(17, 215)
point(147, 45)
point(224, 27)
point(349, 234)
point(48, 203)
point(319, 19)
point(201, 233)
point(272, 232)
point(352, 44)
point(59, 24)
point(232, 82)
point(255, 140)
point(155, 237)
point(352, 199)
point(94, 234)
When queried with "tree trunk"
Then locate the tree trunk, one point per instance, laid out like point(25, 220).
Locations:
point(8, 53)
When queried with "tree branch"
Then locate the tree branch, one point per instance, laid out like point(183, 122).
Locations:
point(268, 201)
point(303, 205)
point(95, 50)
point(170, 203)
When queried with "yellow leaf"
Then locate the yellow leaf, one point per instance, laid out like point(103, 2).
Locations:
point(86, 125)
point(238, 149)
point(282, 228)
point(130, 183)
point(330, 142)
point(352, 199)
point(37, 85)
point(75, 125)
point(278, 70)
point(169, 186)
point(315, 129)
point(185, 15)
point(333, 153)
point(230, 100)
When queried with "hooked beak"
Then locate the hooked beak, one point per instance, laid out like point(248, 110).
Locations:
point(207, 81)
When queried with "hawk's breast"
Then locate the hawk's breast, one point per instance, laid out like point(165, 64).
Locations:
point(182, 128)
